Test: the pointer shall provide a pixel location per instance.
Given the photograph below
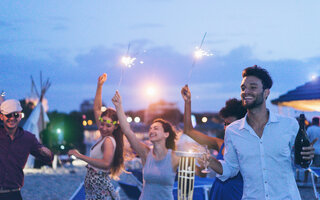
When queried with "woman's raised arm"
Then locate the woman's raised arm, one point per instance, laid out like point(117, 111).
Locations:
point(140, 148)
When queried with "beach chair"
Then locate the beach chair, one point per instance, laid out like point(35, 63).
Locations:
point(315, 172)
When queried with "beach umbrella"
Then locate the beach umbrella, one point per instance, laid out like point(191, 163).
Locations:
point(305, 97)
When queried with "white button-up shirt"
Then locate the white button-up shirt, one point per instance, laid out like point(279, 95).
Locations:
point(313, 133)
point(265, 163)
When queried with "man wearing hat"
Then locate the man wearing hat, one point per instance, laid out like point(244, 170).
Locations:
point(15, 146)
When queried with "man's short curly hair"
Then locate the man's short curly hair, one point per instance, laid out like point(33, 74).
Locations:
point(260, 73)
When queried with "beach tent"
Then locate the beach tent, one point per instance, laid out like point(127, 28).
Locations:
point(38, 118)
point(305, 97)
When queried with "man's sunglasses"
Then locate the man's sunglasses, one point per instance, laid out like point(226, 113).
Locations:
point(107, 121)
point(15, 115)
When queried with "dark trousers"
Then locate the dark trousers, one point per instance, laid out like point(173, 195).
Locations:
point(11, 196)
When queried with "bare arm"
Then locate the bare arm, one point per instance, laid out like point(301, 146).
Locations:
point(203, 139)
point(215, 165)
point(98, 99)
point(103, 163)
point(141, 148)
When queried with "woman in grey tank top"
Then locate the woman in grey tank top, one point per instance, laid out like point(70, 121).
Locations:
point(159, 163)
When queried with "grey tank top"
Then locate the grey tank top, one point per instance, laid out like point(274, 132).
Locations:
point(158, 178)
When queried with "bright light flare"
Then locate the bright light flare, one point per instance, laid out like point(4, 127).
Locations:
point(137, 119)
point(128, 61)
point(3, 93)
point(103, 108)
point(151, 91)
point(129, 119)
point(314, 77)
point(204, 119)
point(199, 53)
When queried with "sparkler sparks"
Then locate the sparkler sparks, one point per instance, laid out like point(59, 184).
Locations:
point(128, 61)
point(3, 93)
point(199, 53)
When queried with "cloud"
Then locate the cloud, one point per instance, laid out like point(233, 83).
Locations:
point(147, 26)
point(60, 28)
point(214, 79)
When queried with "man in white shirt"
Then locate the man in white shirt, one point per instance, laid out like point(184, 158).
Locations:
point(260, 144)
point(313, 133)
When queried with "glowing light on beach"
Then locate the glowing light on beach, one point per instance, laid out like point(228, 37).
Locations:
point(62, 147)
point(89, 122)
point(103, 108)
point(129, 119)
point(204, 119)
point(128, 61)
point(84, 123)
point(137, 119)
point(59, 130)
point(199, 53)
point(3, 93)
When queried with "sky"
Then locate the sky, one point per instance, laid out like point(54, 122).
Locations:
point(73, 42)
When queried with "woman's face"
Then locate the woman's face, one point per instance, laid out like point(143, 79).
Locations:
point(106, 127)
point(156, 132)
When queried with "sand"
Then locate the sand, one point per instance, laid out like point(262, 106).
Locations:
point(60, 184)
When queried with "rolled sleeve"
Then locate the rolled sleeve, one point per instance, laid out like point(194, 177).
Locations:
point(230, 164)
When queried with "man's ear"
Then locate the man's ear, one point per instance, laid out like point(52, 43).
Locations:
point(266, 93)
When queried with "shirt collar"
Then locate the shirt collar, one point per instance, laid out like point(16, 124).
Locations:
point(273, 118)
point(18, 133)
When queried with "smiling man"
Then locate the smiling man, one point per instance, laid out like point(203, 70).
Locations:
point(15, 146)
point(260, 144)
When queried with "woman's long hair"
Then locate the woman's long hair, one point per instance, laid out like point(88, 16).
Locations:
point(117, 165)
point(167, 127)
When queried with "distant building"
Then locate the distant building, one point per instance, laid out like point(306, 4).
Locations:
point(162, 109)
point(87, 105)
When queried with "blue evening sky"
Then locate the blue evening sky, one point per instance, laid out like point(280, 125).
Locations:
point(73, 42)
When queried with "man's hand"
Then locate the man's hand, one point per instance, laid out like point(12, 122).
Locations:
point(116, 100)
point(102, 79)
point(186, 94)
point(45, 151)
point(308, 152)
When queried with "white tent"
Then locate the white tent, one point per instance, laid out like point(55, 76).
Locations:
point(38, 118)
point(35, 124)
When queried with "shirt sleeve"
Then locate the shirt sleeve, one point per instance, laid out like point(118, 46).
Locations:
point(295, 129)
point(230, 164)
point(35, 151)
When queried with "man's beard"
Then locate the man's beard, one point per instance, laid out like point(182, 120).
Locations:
point(258, 101)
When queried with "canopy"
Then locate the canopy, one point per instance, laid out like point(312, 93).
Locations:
point(305, 97)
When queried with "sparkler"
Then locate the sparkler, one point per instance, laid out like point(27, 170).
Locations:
point(3, 93)
point(128, 62)
point(198, 54)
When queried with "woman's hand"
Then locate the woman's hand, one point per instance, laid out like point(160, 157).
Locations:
point(102, 79)
point(116, 100)
point(186, 94)
point(74, 152)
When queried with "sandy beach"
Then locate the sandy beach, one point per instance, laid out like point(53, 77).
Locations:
point(60, 184)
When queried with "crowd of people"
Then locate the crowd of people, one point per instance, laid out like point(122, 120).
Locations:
point(254, 160)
